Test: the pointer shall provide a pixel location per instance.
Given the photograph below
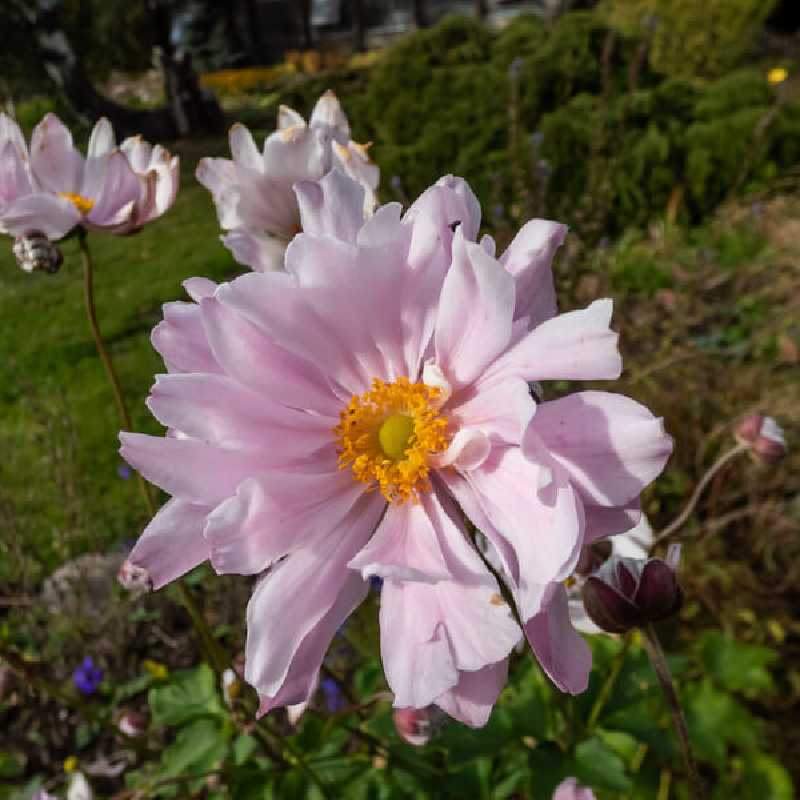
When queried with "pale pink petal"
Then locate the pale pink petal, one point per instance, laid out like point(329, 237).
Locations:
point(238, 345)
point(529, 510)
point(471, 700)
point(570, 790)
point(502, 411)
point(11, 132)
point(52, 215)
point(14, 178)
point(353, 159)
point(277, 513)
point(602, 521)
point(101, 140)
point(243, 148)
point(198, 288)
point(223, 412)
point(295, 595)
point(559, 648)
point(57, 165)
point(115, 188)
point(172, 543)
point(577, 345)
point(430, 631)
point(468, 449)
point(138, 152)
point(302, 676)
point(328, 112)
point(259, 251)
point(383, 227)
point(405, 547)
point(529, 258)
point(216, 174)
point(333, 206)
point(192, 470)
point(476, 307)
point(611, 445)
point(181, 339)
point(296, 154)
point(288, 117)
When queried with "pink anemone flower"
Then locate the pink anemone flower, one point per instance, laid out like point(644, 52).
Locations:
point(253, 193)
point(362, 414)
point(114, 189)
point(570, 789)
point(24, 206)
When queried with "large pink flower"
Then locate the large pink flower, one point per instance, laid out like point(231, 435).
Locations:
point(253, 193)
point(24, 206)
point(114, 189)
point(361, 415)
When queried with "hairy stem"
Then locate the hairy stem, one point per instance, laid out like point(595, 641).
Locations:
point(659, 661)
point(683, 517)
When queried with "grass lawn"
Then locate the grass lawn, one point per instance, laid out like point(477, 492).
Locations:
point(60, 489)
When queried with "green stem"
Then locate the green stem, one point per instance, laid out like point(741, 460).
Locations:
point(608, 686)
point(214, 653)
point(102, 351)
point(659, 661)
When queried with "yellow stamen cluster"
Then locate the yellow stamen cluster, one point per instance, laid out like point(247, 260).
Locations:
point(83, 204)
point(387, 434)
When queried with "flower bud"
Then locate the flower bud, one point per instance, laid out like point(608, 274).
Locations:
point(593, 557)
point(36, 253)
point(417, 725)
point(627, 592)
point(132, 723)
point(570, 789)
point(763, 436)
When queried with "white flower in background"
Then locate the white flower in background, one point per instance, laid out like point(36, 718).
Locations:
point(253, 194)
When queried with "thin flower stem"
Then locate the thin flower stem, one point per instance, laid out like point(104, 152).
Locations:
point(683, 517)
point(608, 686)
point(213, 651)
point(108, 364)
point(659, 661)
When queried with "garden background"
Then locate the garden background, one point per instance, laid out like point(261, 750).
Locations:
point(667, 135)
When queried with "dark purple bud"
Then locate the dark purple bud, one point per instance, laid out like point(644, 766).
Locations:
point(334, 699)
point(627, 593)
point(87, 677)
point(593, 557)
point(417, 725)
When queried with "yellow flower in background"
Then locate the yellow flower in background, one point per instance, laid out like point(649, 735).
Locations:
point(70, 764)
point(158, 671)
point(777, 75)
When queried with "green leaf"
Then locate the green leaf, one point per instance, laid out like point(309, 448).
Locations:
point(757, 777)
point(199, 747)
point(243, 747)
point(715, 720)
point(736, 666)
point(11, 765)
point(598, 766)
point(189, 693)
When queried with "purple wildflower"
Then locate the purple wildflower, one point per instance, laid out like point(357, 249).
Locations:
point(87, 677)
point(124, 471)
point(334, 700)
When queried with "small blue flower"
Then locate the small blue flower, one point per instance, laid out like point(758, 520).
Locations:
point(87, 677)
point(375, 583)
point(334, 699)
point(396, 183)
point(124, 471)
point(515, 67)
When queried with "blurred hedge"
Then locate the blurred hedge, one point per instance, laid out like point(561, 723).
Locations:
point(620, 142)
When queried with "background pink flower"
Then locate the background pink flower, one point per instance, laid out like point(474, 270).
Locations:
point(253, 193)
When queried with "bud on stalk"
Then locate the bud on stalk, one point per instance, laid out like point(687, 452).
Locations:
point(36, 253)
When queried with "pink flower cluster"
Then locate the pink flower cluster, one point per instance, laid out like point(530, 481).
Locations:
point(52, 188)
point(253, 193)
point(365, 413)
